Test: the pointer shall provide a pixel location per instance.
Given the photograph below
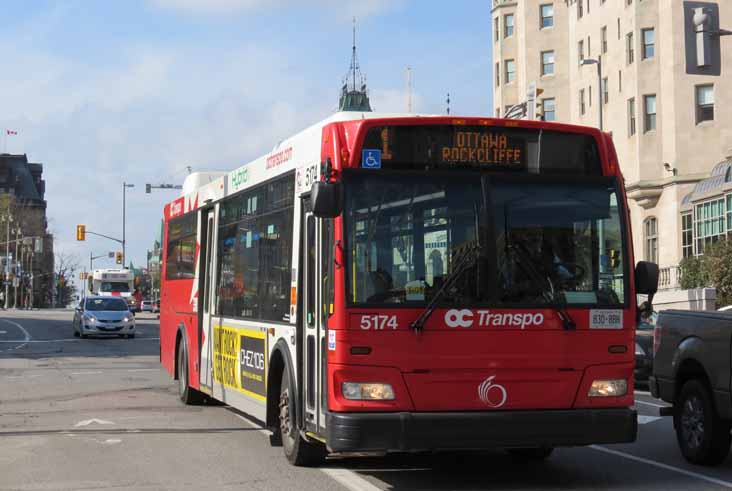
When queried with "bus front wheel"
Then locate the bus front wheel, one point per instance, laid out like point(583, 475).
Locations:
point(297, 450)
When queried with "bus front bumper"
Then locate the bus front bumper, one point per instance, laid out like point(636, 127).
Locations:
point(411, 432)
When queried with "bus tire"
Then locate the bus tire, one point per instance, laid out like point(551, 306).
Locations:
point(187, 394)
point(531, 453)
point(704, 438)
point(298, 451)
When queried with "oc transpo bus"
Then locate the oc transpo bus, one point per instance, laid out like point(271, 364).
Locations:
point(387, 283)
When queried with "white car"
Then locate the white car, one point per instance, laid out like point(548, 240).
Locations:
point(104, 316)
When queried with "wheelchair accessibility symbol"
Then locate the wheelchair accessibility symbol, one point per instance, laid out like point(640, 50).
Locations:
point(371, 159)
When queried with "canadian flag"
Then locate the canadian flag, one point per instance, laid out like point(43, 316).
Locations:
point(11, 132)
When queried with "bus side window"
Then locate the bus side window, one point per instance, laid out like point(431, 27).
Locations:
point(310, 270)
point(328, 290)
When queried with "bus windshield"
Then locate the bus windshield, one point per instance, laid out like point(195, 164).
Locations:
point(114, 286)
point(540, 241)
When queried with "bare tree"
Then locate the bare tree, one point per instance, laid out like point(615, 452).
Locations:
point(65, 265)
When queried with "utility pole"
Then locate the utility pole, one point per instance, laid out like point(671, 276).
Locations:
point(124, 211)
point(7, 218)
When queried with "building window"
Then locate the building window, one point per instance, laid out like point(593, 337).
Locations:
point(605, 91)
point(603, 38)
point(580, 52)
point(579, 9)
point(650, 239)
point(704, 103)
point(629, 51)
point(507, 25)
point(546, 13)
point(710, 223)
point(649, 40)
point(618, 28)
point(620, 81)
point(687, 235)
point(549, 109)
point(510, 71)
point(498, 74)
point(498, 112)
point(588, 6)
point(589, 96)
point(582, 101)
point(547, 62)
point(649, 112)
point(628, 2)
point(496, 30)
point(589, 46)
point(631, 116)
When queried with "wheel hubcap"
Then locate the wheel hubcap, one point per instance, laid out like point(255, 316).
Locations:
point(692, 422)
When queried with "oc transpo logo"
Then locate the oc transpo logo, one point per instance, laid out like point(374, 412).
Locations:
point(485, 318)
point(492, 395)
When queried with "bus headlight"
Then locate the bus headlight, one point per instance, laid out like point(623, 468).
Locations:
point(608, 388)
point(367, 391)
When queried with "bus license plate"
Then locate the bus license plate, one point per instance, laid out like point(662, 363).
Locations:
point(606, 319)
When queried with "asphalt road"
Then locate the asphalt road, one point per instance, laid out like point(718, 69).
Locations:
point(101, 414)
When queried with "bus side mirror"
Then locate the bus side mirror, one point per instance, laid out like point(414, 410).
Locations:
point(327, 199)
point(646, 278)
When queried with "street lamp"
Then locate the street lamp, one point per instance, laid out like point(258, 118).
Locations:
point(598, 62)
point(124, 211)
point(7, 219)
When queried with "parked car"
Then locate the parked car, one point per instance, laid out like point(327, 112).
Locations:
point(103, 316)
point(156, 308)
point(147, 306)
point(691, 371)
point(644, 347)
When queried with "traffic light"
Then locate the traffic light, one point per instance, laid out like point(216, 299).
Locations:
point(118, 257)
point(614, 258)
point(81, 232)
point(147, 188)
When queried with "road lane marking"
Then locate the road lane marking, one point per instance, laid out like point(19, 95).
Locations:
point(87, 422)
point(696, 475)
point(349, 479)
point(642, 420)
point(26, 337)
point(86, 373)
point(652, 404)
point(40, 341)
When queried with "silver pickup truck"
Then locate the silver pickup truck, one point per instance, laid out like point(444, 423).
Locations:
point(691, 370)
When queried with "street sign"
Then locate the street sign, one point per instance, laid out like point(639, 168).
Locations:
point(371, 159)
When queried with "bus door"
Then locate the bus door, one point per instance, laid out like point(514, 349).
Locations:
point(206, 300)
point(314, 320)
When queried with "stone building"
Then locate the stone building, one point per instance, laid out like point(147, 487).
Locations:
point(22, 197)
point(662, 90)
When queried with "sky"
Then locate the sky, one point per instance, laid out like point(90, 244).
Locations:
point(103, 93)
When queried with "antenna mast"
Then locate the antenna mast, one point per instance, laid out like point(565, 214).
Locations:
point(448, 103)
point(409, 89)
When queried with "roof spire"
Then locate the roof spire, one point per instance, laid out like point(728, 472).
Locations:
point(354, 98)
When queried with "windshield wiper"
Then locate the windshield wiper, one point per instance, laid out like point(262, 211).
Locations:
point(465, 258)
point(550, 297)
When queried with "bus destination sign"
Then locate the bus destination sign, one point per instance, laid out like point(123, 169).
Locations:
point(482, 148)
point(448, 146)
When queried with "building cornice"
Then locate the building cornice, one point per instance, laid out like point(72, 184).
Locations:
point(503, 5)
point(647, 192)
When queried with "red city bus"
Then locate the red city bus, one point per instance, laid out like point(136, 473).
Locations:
point(400, 283)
